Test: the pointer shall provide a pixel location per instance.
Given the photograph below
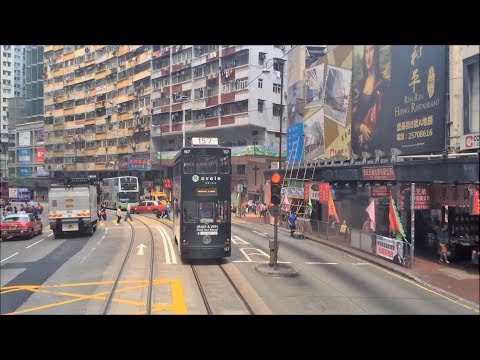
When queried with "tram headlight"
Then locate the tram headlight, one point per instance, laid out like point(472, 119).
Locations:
point(207, 239)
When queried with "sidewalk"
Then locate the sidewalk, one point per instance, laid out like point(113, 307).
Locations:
point(452, 280)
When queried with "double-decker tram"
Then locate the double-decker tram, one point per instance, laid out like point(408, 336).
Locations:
point(202, 195)
point(120, 191)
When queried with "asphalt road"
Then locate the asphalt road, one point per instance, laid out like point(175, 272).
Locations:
point(330, 281)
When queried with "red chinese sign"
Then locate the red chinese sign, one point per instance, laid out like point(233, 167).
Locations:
point(306, 187)
point(379, 191)
point(167, 183)
point(423, 197)
point(475, 203)
point(324, 192)
point(378, 173)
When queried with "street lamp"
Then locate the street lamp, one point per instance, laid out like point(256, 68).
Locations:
point(279, 63)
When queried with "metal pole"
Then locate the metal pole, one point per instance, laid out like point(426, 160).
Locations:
point(183, 126)
point(281, 115)
point(275, 241)
point(412, 223)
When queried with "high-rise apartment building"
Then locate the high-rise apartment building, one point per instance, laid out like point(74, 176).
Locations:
point(108, 105)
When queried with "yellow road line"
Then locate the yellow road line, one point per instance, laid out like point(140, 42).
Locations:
point(424, 288)
point(178, 300)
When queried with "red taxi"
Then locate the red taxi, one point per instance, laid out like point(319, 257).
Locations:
point(24, 225)
point(147, 207)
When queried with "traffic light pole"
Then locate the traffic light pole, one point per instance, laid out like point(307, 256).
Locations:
point(273, 245)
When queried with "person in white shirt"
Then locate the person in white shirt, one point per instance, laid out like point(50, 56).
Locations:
point(119, 215)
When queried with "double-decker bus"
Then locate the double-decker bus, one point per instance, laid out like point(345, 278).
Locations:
point(4, 198)
point(120, 191)
point(201, 206)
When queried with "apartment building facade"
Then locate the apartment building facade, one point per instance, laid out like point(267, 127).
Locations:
point(107, 106)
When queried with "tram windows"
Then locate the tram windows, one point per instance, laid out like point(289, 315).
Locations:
point(217, 212)
point(188, 164)
point(190, 214)
point(206, 164)
point(224, 164)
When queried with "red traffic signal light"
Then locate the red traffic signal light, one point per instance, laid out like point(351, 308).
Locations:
point(276, 178)
point(276, 188)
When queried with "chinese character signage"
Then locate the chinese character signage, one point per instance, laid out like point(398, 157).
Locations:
point(139, 164)
point(423, 197)
point(399, 98)
point(378, 191)
point(378, 173)
point(324, 192)
point(306, 193)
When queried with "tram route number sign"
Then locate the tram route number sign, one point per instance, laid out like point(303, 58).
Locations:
point(204, 141)
point(207, 229)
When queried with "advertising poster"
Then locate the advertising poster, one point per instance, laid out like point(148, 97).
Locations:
point(24, 156)
point(398, 98)
point(23, 171)
point(40, 136)
point(334, 114)
point(40, 157)
point(24, 138)
point(41, 172)
point(296, 85)
point(314, 137)
point(390, 249)
point(295, 142)
point(314, 86)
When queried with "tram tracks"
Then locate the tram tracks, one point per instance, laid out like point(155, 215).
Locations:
point(118, 279)
point(219, 292)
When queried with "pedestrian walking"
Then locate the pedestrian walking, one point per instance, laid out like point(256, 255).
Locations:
point(128, 215)
point(442, 239)
point(119, 215)
point(291, 222)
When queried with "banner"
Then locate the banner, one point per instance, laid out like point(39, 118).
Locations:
point(24, 156)
point(39, 136)
point(41, 172)
point(40, 155)
point(324, 192)
point(399, 98)
point(423, 197)
point(390, 249)
point(475, 206)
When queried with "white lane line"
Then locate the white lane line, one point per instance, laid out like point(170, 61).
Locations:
point(50, 234)
point(29, 246)
point(237, 240)
point(9, 257)
point(98, 242)
point(165, 246)
point(320, 263)
point(361, 263)
point(259, 233)
point(106, 230)
point(87, 255)
point(354, 257)
point(170, 245)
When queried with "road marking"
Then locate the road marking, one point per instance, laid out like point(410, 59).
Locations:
point(87, 255)
point(106, 230)
point(98, 242)
point(320, 263)
point(361, 263)
point(237, 240)
point(9, 257)
point(170, 245)
point(257, 252)
point(354, 257)
point(423, 287)
point(102, 223)
point(140, 249)
point(50, 234)
point(167, 244)
point(259, 233)
point(29, 246)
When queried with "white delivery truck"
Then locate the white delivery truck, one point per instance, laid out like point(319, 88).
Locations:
point(73, 207)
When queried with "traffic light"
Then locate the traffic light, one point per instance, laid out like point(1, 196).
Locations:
point(276, 188)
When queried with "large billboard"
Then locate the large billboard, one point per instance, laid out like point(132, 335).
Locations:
point(24, 138)
point(40, 136)
point(23, 171)
point(398, 98)
point(328, 106)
